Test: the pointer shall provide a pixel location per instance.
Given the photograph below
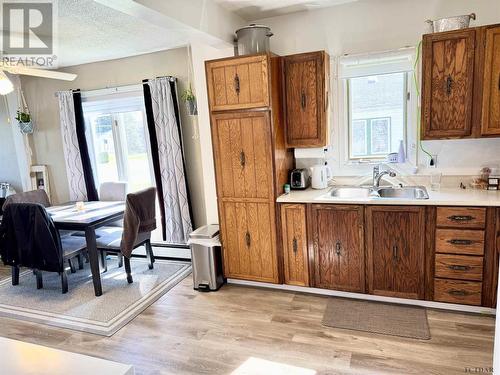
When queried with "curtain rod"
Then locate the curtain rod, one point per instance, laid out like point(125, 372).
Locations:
point(144, 81)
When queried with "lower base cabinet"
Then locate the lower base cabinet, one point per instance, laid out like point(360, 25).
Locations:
point(249, 242)
point(338, 247)
point(395, 251)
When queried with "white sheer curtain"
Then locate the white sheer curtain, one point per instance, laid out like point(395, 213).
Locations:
point(74, 169)
point(177, 217)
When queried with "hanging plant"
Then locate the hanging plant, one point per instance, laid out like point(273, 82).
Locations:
point(190, 101)
point(23, 117)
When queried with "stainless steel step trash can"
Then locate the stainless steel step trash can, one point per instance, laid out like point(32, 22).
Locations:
point(206, 258)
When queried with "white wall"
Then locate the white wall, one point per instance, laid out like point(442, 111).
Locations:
point(9, 169)
point(47, 141)
point(381, 25)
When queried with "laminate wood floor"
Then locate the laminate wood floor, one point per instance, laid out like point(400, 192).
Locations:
point(187, 332)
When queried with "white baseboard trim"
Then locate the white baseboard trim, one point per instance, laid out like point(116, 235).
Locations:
point(368, 297)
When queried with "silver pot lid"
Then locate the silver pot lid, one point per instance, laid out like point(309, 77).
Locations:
point(254, 26)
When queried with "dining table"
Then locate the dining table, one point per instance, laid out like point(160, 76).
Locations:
point(86, 217)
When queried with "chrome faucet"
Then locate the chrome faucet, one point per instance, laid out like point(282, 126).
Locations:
point(377, 175)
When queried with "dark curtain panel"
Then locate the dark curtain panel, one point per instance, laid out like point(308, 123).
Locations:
point(154, 147)
point(84, 150)
point(154, 153)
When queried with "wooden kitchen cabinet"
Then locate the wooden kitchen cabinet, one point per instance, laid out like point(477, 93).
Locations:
point(490, 124)
point(243, 154)
point(338, 241)
point(448, 84)
point(249, 241)
point(306, 86)
point(238, 83)
point(395, 251)
point(294, 238)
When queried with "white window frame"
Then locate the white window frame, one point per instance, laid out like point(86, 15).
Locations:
point(392, 61)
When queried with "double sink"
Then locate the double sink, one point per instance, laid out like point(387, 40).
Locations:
point(367, 192)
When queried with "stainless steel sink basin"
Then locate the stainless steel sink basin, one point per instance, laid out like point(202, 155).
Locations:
point(356, 192)
point(406, 192)
point(350, 192)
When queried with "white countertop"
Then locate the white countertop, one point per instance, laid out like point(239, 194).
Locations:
point(25, 359)
point(443, 197)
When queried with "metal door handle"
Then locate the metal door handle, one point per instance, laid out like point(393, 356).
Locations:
point(248, 239)
point(461, 217)
point(395, 253)
point(242, 158)
point(456, 241)
point(303, 101)
point(456, 267)
point(237, 84)
point(338, 246)
point(455, 292)
point(449, 83)
point(295, 245)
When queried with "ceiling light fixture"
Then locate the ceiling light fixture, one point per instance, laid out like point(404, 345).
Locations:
point(6, 86)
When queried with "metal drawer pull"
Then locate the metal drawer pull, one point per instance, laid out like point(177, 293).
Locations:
point(449, 83)
point(295, 245)
point(242, 158)
point(395, 253)
point(237, 84)
point(455, 292)
point(303, 101)
point(456, 267)
point(461, 217)
point(338, 246)
point(248, 239)
point(456, 241)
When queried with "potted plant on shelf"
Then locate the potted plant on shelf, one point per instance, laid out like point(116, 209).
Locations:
point(23, 117)
point(190, 101)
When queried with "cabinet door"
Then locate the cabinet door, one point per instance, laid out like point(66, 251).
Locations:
point(249, 241)
point(295, 259)
point(491, 84)
point(306, 86)
point(238, 83)
point(338, 242)
point(395, 251)
point(447, 91)
point(243, 155)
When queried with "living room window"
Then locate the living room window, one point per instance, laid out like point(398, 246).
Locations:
point(378, 106)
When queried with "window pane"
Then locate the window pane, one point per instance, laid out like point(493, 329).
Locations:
point(104, 149)
point(136, 158)
point(378, 102)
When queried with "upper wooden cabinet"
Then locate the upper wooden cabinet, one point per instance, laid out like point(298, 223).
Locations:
point(395, 251)
point(338, 240)
point(490, 124)
point(447, 87)
point(306, 83)
point(243, 154)
point(461, 83)
point(294, 234)
point(238, 83)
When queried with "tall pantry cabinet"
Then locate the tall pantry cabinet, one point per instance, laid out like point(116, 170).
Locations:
point(251, 161)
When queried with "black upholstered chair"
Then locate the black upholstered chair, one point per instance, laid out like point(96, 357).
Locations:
point(30, 239)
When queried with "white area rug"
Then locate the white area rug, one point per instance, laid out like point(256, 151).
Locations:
point(80, 309)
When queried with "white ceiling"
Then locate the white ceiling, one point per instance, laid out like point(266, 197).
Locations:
point(89, 31)
point(252, 10)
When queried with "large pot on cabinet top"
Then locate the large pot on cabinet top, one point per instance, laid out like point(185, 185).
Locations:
point(253, 39)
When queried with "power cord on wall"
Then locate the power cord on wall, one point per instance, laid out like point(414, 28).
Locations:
point(417, 89)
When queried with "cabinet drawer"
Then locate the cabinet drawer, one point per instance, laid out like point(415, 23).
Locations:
point(461, 267)
point(456, 241)
point(461, 217)
point(454, 291)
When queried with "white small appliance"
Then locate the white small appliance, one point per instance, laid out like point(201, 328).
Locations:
point(320, 174)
